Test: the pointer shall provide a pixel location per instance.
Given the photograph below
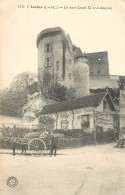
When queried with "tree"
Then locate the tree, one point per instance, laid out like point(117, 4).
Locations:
point(22, 81)
point(54, 90)
point(47, 82)
point(46, 123)
point(121, 82)
point(14, 98)
point(57, 92)
point(70, 93)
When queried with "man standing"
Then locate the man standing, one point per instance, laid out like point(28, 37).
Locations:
point(13, 141)
point(54, 144)
point(14, 146)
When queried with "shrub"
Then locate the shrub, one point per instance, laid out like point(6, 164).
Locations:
point(32, 135)
point(74, 133)
point(70, 143)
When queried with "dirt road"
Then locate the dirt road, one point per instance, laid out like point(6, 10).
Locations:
point(91, 170)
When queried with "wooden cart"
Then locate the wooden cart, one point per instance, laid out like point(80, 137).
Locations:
point(36, 146)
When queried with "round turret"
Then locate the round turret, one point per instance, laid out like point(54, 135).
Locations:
point(81, 76)
point(55, 56)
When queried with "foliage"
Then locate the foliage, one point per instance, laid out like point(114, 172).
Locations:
point(22, 81)
point(46, 123)
point(33, 135)
point(60, 92)
point(74, 133)
point(57, 92)
point(15, 131)
point(14, 98)
point(70, 93)
point(54, 90)
point(115, 93)
point(45, 81)
point(121, 82)
point(46, 120)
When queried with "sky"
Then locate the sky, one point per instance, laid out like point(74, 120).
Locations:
point(92, 30)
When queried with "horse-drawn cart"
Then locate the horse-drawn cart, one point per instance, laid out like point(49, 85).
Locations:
point(36, 146)
point(37, 142)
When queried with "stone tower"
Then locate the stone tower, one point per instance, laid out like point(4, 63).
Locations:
point(55, 55)
point(81, 76)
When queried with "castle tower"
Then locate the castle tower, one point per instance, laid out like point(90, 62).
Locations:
point(81, 76)
point(55, 56)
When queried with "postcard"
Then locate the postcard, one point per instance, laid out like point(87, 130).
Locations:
point(62, 97)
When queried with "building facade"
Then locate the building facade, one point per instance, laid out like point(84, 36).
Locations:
point(93, 113)
point(98, 63)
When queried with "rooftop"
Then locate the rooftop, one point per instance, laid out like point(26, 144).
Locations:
point(48, 32)
point(97, 57)
point(86, 101)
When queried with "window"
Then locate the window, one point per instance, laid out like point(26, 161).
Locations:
point(98, 72)
point(104, 104)
point(91, 73)
point(85, 121)
point(48, 47)
point(48, 62)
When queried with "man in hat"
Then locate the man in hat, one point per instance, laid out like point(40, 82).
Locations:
point(54, 144)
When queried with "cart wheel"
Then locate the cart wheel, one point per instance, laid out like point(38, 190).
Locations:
point(37, 147)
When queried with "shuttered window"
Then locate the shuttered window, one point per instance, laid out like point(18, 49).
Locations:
point(48, 47)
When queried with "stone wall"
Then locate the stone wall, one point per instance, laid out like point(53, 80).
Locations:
point(98, 63)
point(9, 121)
point(101, 81)
point(60, 55)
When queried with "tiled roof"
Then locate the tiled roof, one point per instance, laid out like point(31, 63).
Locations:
point(86, 101)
